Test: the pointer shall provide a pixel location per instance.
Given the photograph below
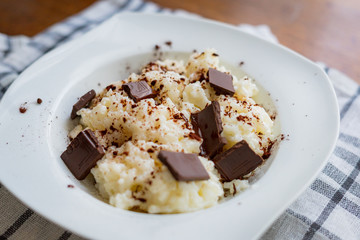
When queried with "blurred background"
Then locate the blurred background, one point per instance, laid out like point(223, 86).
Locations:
point(322, 30)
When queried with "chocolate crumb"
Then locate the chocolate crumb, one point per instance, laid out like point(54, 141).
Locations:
point(136, 198)
point(157, 47)
point(215, 54)
point(39, 100)
point(234, 189)
point(103, 132)
point(194, 136)
point(112, 87)
point(182, 116)
point(22, 109)
point(70, 186)
point(241, 63)
point(169, 43)
point(242, 118)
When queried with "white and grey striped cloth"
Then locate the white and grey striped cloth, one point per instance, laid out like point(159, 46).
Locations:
point(328, 209)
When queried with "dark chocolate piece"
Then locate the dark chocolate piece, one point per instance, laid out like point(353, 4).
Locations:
point(221, 82)
point(82, 154)
point(139, 90)
point(184, 166)
point(83, 102)
point(237, 161)
point(39, 100)
point(207, 124)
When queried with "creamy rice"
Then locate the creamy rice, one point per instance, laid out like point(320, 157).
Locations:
point(130, 176)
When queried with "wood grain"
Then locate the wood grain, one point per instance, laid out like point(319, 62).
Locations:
point(322, 30)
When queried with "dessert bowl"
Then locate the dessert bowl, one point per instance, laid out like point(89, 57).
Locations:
point(31, 142)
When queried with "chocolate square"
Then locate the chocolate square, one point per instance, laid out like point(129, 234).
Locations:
point(184, 166)
point(221, 82)
point(82, 154)
point(237, 161)
point(139, 90)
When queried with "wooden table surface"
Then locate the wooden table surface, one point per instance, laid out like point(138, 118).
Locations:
point(322, 30)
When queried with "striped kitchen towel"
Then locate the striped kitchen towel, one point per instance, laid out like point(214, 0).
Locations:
point(328, 209)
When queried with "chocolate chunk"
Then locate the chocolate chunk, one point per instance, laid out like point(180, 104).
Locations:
point(22, 109)
point(83, 102)
point(184, 166)
point(221, 82)
point(82, 154)
point(237, 161)
point(39, 100)
point(207, 124)
point(139, 90)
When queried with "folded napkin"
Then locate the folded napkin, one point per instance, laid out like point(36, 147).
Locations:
point(328, 209)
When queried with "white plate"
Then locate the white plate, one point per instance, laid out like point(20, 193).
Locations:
point(31, 143)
